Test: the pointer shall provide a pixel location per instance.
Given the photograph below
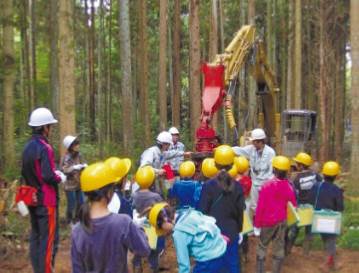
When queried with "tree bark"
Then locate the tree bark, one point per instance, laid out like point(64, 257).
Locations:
point(252, 99)
point(66, 71)
point(126, 82)
point(354, 37)
point(8, 62)
point(176, 97)
point(31, 53)
point(143, 71)
point(54, 75)
point(297, 99)
point(109, 78)
point(91, 67)
point(195, 65)
point(101, 92)
point(290, 59)
point(162, 80)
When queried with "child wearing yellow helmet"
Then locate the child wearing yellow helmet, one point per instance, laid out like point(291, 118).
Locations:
point(186, 191)
point(242, 177)
point(121, 201)
point(303, 182)
point(98, 230)
point(271, 214)
point(142, 199)
point(326, 195)
point(222, 198)
point(194, 235)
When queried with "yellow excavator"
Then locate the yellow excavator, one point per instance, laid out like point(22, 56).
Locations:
point(288, 132)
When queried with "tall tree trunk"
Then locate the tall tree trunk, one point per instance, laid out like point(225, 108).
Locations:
point(290, 72)
point(8, 62)
point(323, 85)
point(66, 70)
point(213, 45)
point(126, 82)
point(340, 88)
point(54, 75)
point(143, 70)
point(31, 53)
point(225, 134)
point(176, 55)
point(243, 86)
point(298, 55)
point(283, 52)
point(109, 78)
point(252, 99)
point(101, 93)
point(195, 65)
point(91, 67)
point(162, 80)
point(354, 37)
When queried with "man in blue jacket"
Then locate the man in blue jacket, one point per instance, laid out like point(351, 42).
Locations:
point(38, 171)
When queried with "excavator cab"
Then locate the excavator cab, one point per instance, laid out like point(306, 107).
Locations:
point(298, 128)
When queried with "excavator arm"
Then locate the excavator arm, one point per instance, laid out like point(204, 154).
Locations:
point(220, 80)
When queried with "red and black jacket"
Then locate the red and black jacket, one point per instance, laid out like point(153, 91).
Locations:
point(38, 170)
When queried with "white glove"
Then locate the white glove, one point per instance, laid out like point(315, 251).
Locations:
point(257, 231)
point(84, 165)
point(62, 176)
point(78, 167)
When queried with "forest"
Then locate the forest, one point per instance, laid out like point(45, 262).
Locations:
point(118, 72)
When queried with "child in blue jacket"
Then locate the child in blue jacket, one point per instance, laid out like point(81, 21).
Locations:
point(186, 191)
point(194, 234)
point(327, 195)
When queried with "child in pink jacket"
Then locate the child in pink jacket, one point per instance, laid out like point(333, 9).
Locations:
point(271, 214)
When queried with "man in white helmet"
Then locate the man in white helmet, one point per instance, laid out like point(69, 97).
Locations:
point(260, 157)
point(175, 153)
point(38, 171)
point(154, 156)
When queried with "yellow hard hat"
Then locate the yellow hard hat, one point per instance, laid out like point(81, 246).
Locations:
point(187, 169)
point(96, 176)
point(281, 163)
point(209, 168)
point(145, 177)
point(116, 166)
point(331, 168)
point(303, 158)
point(126, 165)
point(233, 171)
point(241, 163)
point(224, 155)
point(153, 215)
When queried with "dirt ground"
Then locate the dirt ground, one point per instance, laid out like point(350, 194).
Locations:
point(18, 260)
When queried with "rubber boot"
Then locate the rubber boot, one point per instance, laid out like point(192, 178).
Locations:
point(277, 264)
point(260, 265)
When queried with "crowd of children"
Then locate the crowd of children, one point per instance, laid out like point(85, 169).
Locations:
point(203, 210)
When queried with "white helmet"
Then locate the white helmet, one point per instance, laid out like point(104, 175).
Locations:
point(68, 140)
point(173, 131)
point(41, 116)
point(164, 137)
point(257, 134)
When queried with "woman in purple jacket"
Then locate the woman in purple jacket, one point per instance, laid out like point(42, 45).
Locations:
point(101, 240)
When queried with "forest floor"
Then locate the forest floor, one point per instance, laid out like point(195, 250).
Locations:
point(17, 260)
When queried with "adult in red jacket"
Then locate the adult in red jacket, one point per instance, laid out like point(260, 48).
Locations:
point(38, 171)
point(271, 213)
